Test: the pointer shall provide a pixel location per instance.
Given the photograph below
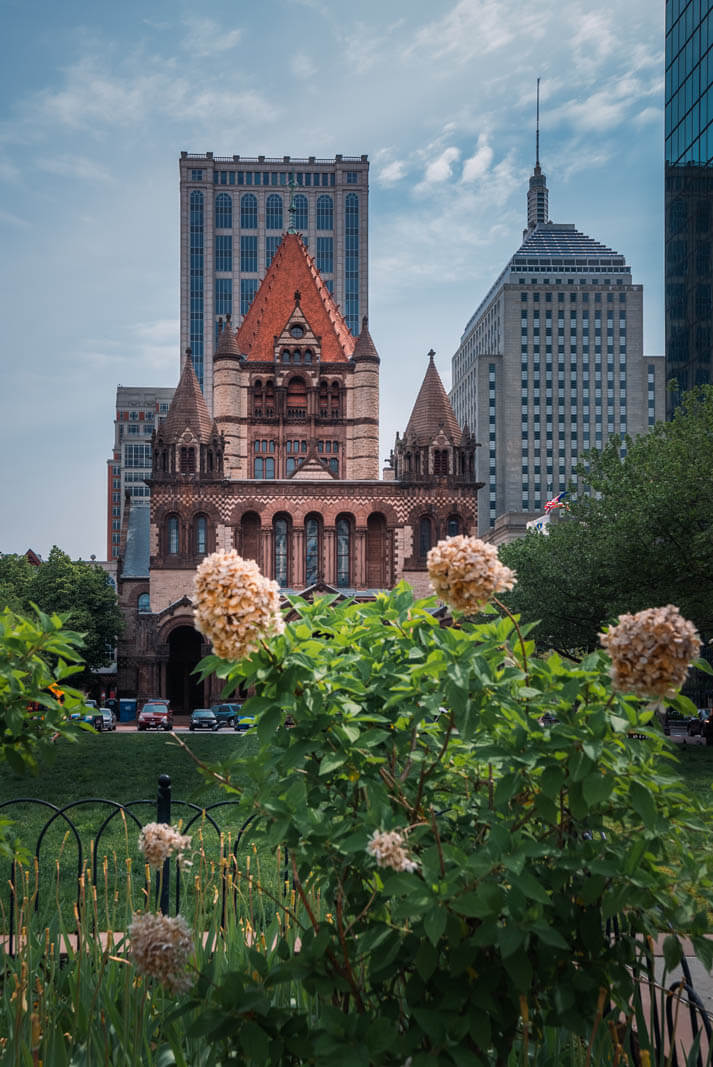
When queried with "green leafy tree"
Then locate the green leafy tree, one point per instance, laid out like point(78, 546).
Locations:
point(81, 591)
point(524, 815)
point(639, 533)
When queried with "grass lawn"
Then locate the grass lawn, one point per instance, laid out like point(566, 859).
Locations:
point(122, 767)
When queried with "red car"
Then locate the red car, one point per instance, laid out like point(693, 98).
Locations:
point(155, 716)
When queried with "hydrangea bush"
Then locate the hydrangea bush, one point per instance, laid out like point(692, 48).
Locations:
point(470, 818)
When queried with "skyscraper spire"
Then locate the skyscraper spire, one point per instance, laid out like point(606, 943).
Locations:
point(537, 193)
point(537, 128)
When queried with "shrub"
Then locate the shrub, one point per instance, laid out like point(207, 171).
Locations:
point(470, 819)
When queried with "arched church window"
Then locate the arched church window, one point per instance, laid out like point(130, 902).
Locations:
point(344, 534)
point(323, 400)
point(248, 211)
point(273, 212)
point(297, 399)
point(269, 410)
point(285, 355)
point(425, 536)
point(188, 459)
point(223, 211)
point(172, 535)
point(312, 539)
point(335, 396)
point(201, 535)
point(281, 557)
point(257, 398)
point(440, 461)
point(143, 604)
point(325, 213)
point(301, 222)
point(453, 526)
point(308, 355)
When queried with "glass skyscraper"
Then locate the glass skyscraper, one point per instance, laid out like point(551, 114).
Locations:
point(689, 195)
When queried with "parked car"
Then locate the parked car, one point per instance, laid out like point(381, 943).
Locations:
point(676, 721)
point(243, 723)
point(108, 719)
point(695, 723)
point(92, 716)
point(202, 719)
point(155, 715)
point(226, 714)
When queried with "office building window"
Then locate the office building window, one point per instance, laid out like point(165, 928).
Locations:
point(248, 212)
point(351, 273)
point(224, 253)
point(273, 212)
point(248, 254)
point(301, 208)
point(325, 213)
point(223, 211)
point(223, 296)
point(248, 288)
point(325, 255)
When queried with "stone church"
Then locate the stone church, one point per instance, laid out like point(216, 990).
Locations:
point(285, 470)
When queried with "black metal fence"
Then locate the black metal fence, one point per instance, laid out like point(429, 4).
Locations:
point(163, 809)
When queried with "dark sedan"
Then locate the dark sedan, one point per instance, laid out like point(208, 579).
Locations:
point(202, 719)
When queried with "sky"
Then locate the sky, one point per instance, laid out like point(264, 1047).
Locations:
point(97, 100)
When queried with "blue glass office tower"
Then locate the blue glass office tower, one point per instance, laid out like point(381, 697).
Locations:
point(689, 195)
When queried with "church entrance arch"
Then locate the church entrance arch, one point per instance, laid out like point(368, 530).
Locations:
point(183, 689)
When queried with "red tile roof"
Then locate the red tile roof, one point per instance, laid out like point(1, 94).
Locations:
point(293, 269)
point(432, 411)
point(188, 409)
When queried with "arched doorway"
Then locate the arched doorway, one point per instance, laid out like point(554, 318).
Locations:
point(183, 689)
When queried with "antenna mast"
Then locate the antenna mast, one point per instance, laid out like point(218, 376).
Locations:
point(537, 128)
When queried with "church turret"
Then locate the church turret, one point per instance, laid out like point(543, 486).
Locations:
point(188, 440)
point(230, 401)
point(433, 446)
point(364, 425)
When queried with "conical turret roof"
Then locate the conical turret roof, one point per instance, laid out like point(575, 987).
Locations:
point(365, 349)
point(227, 340)
point(188, 410)
point(293, 270)
point(432, 412)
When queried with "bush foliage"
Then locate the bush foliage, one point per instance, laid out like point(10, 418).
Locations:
point(536, 803)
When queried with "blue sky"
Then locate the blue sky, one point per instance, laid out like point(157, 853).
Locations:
point(99, 99)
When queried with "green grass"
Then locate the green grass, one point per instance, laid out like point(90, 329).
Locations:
point(695, 765)
point(123, 768)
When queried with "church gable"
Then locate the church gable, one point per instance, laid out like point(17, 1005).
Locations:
point(298, 343)
point(292, 269)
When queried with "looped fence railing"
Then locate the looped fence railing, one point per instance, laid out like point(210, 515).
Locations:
point(164, 809)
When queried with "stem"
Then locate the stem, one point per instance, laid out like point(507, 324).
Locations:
point(425, 774)
point(204, 766)
point(343, 942)
point(437, 836)
point(302, 896)
point(521, 639)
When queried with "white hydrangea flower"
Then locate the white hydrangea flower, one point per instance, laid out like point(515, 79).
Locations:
point(651, 651)
point(235, 606)
point(466, 572)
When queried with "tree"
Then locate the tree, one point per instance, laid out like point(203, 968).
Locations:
point(81, 591)
point(639, 533)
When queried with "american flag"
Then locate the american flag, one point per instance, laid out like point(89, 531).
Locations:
point(556, 502)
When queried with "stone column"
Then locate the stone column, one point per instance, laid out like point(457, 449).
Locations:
point(297, 558)
point(359, 558)
point(329, 556)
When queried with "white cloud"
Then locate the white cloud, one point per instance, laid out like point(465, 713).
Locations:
point(440, 169)
point(473, 28)
point(391, 173)
point(8, 219)
point(479, 162)
point(92, 97)
point(206, 37)
point(74, 167)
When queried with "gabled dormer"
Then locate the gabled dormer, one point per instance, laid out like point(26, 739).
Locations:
point(297, 345)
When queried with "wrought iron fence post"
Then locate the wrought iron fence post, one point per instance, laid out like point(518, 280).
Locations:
point(163, 814)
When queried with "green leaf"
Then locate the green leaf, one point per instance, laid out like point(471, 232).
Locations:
point(597, 788)
point(531, 888)
point(435, 923)
point(672, 952)
point(332, 761)
point(643, 803)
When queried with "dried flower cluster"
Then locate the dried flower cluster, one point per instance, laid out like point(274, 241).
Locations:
point(466, 572)
point(651, 651)
point(235, 605)
point(388, 849)
point(159, 842)
point(160, 946)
